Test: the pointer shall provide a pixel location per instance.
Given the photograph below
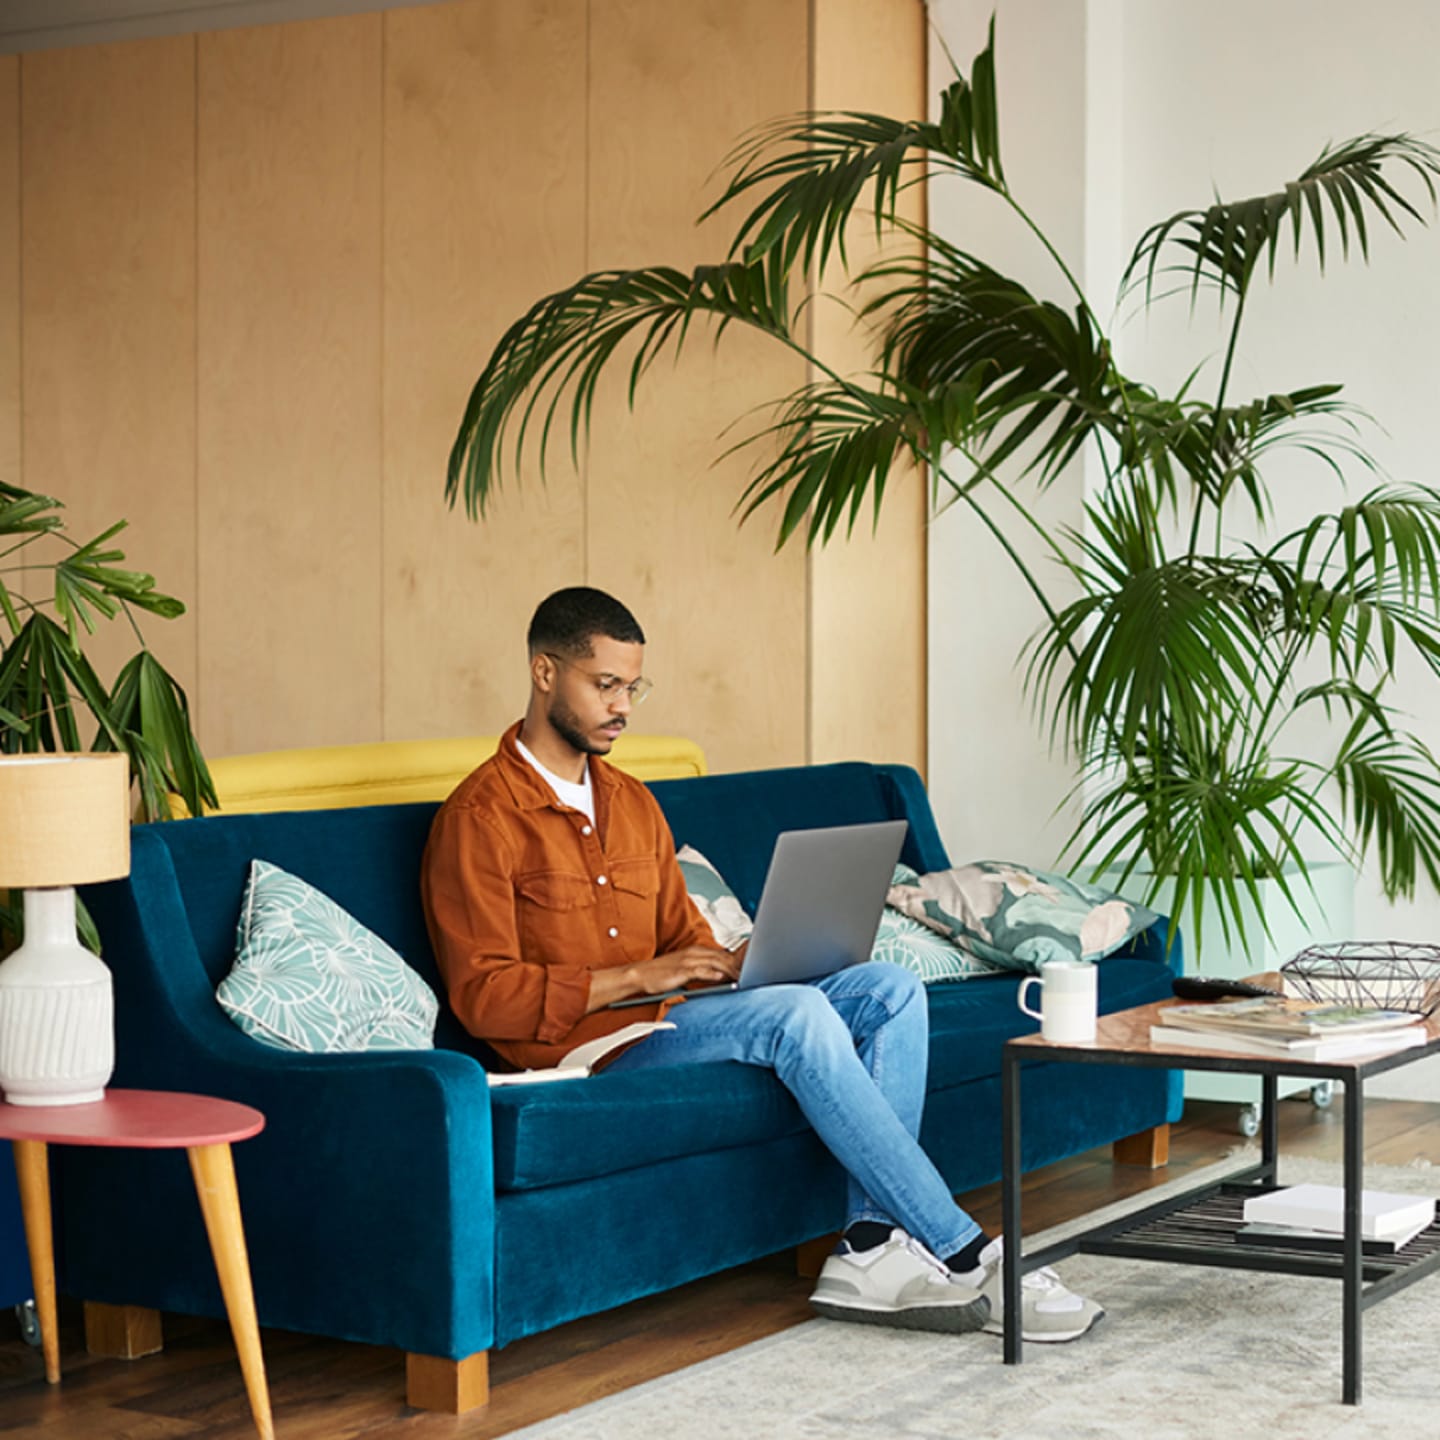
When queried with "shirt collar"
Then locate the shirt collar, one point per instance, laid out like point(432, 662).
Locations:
point(529, 790)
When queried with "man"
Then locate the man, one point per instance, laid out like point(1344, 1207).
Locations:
point(552, 890)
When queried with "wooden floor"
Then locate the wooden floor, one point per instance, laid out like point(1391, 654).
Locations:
point(325, 1390)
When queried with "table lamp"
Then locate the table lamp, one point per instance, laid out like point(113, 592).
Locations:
point(64, 821)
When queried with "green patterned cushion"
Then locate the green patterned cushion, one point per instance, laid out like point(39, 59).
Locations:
point(308, 976)
point(900, 940)
point(917, 947)
point(1017, 918)
point(714, 899)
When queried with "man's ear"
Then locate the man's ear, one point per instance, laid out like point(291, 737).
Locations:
point(543, 671)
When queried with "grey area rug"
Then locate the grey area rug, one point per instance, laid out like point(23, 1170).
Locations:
point(1183, 1352)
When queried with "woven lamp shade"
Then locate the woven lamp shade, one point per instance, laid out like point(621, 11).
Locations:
point(64, 819)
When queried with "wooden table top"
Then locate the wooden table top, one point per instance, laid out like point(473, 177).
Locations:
point(1127, 1032)
point(134, 1119)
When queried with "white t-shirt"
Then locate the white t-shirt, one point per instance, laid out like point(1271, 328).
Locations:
point(579, 796)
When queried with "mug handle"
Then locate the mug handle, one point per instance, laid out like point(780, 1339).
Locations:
point(1020, 996)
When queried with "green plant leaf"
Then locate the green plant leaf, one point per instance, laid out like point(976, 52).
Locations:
point(1390, 785)
point(566, 341)
point(1226, 242)
point(151, 714)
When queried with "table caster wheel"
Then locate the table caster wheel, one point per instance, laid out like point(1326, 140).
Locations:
point(1249, 1122)
point(1322, 1092)
point(29, 1322)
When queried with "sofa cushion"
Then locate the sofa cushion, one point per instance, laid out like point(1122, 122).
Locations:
point(308, 976)
point(714, 899)
point(605, 1123)
point(1018, 918)
point(899, 940)
point(913, 946)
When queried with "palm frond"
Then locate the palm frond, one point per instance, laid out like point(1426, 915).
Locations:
point(1362, 579)
point(1224, 244)
point(149, 719)
point(812, 170)
point(44, 679)
point(1036, 372)
point(1211, 828)
point(563, 344)
point(838, 441)
point(1390, 785)
point(1155, 646)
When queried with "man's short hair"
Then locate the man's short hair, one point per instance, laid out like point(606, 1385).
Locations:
point(567, 621)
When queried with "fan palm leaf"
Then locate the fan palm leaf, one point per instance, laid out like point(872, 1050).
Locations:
point(1223, 244)
point(564, 342)
point(1390, 786)
point(811, 171)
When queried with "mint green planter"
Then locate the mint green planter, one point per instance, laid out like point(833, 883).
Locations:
point(1329, 916)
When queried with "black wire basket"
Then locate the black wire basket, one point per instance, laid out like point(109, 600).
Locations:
point(1383, 974)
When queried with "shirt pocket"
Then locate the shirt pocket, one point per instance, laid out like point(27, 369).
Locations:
point(637, 879)
point(555, 916)
point(555, 890)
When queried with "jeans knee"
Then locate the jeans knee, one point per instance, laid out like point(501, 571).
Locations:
point(890, 985)
point(809, 1025)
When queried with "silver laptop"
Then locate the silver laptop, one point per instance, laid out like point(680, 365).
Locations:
point(820, 908)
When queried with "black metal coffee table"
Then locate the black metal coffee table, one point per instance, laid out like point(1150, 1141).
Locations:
point(1199, 1227)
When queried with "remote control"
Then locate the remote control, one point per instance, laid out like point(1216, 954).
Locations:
point(1211, 987)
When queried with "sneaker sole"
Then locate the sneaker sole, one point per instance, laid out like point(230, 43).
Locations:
point(1045, 1337)
point(947, 1319)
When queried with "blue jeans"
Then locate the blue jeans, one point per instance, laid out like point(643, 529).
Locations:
point(852, 1049)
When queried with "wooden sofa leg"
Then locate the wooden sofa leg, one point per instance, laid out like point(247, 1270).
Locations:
point(1150, 1148)
point(812, 1254)
point(122, 1332)
point(451, 1386)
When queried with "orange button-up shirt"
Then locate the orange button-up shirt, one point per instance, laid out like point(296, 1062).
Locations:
point(524, 897)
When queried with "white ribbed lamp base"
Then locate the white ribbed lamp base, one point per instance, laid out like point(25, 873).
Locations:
point(57, 1012)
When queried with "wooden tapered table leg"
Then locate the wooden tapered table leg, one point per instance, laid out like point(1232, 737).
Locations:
point(32, 1166)
point(202, 1125)
point(214, 1173)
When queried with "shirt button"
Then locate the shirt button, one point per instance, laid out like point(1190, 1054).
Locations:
point(585, 830)
point(613, 932)
point(601, 880)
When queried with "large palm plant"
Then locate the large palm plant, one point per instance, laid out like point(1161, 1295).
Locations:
point(1174, 675)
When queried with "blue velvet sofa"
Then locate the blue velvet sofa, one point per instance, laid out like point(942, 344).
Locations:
point(396, 1199)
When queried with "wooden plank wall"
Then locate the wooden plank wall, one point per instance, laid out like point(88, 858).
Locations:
point(247, 278)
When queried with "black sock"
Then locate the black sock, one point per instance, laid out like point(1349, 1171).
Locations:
point(967, 1259)
point(866, 1234)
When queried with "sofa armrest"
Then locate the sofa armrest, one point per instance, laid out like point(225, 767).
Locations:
point(368, 1199)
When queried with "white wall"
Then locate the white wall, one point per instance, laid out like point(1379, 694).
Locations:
point(1168, 103)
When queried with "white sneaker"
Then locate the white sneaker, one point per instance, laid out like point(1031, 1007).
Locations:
point(1049, 1312)
point(897, 1283)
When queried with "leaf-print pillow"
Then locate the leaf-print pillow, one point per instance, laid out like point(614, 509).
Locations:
point(308, 976)
point(900, 940)
point(1019, 918)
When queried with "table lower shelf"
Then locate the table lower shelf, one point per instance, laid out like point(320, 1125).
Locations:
point(1204, 1229)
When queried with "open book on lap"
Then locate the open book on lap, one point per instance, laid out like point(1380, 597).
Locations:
point(581, 1061)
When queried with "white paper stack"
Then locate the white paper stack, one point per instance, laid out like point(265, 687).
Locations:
point(1383, 1216)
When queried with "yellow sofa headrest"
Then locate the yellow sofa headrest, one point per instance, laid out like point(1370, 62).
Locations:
point(394, 772)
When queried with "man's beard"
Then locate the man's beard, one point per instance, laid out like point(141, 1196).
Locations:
point(566, 724)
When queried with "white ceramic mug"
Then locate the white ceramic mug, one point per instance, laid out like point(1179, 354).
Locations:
point(1068, 1001)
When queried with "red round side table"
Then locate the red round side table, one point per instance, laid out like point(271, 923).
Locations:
point(204, 1128)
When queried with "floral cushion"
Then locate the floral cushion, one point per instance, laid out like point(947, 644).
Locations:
point(308, 976)
point(1017, 918)
point(901, 940)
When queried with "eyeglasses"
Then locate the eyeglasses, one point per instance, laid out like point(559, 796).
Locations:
point(610, 686)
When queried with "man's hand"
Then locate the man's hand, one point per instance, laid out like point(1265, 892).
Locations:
point(695, 964)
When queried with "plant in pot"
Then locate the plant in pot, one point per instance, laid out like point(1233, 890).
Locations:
point(1181, 662)
point(51, 697)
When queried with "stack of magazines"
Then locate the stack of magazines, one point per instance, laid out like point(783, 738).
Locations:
point(1299, 1029)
